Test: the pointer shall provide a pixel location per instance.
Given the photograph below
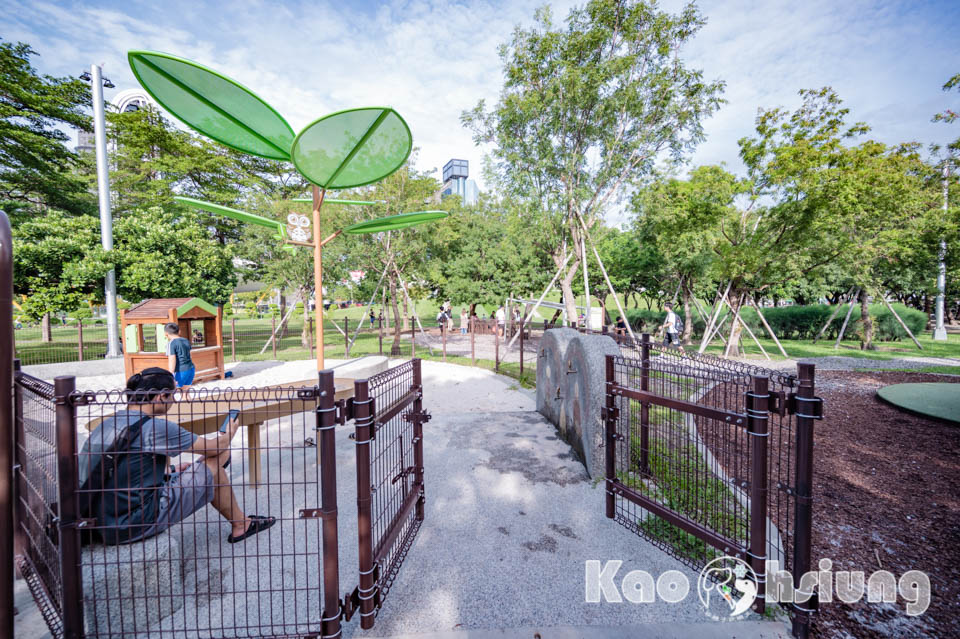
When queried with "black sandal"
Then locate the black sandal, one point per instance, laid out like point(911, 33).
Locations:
point(257, 524)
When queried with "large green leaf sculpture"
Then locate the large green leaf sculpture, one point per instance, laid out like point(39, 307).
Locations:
point(395, 222)
point(353, 147)
point(236, 214)
point(213, 104)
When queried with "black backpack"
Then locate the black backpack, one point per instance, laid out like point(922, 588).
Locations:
point(103, 466)
point(678, 323)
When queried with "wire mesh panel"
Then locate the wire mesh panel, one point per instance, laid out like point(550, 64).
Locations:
point(390, 488)
point(702, 455)
point(37, 538)
point(206, 523)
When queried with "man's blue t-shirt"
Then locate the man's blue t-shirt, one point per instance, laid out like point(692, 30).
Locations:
point(131, 498)
point(180, 346)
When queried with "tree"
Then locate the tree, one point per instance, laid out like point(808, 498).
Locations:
point(587, 109)
point(36, 167)
point(58, 264)
point(169, 253)
point(682, 218)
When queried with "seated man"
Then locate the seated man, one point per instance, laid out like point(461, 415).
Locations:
point(140, 500)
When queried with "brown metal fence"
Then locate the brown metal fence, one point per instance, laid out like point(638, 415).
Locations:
point(389, 414)
point(707, 457)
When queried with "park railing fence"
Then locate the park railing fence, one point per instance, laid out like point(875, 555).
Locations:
point(708, 457)
point(100, 572)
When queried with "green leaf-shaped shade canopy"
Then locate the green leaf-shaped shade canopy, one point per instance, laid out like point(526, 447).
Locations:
point(226, 211)
point(395, 222)
point(352, 148)
point(213, 104)
point(330, 200)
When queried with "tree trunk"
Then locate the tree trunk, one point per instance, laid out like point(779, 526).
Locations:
point(928, 310)
point(45, 334)
point(406, 311)
point(734, 342)
point(866, 340)
point(687, 316)
point(566, 287)
point(395, 348)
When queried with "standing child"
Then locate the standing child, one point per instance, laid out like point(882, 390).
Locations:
point(178, 356)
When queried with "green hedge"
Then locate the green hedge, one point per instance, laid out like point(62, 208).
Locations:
point(801, 322)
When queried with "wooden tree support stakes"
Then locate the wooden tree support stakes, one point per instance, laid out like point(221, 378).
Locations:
point(833, 315)
point(843, 328)
point(905, 327)
point(767, 326)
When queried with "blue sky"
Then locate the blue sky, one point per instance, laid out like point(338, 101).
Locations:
point(433, 59)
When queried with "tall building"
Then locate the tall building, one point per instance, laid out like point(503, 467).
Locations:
point(456, 182)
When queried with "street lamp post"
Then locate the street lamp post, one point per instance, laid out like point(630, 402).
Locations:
point(106, 219)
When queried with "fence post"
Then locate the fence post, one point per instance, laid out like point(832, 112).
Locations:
point(79, 340)
point(70, 567)
point(326, 423)
point(19, 487)
point(418, 438)
point(7, 363)
point(521, 347)
point(233, 338)
point(380, 322)
point(273, 335)
point(496, 348)
point(443, 335)
point(611, 441)
point(473, 341)
point(363, 421)
point(804, 501)
point(757, 417)
point(346, 337)
point(645, 406)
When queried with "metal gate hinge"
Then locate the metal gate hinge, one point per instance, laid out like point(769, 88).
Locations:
point(345, 410)
point(809, 407)
point(82, 399)
point(413, 417)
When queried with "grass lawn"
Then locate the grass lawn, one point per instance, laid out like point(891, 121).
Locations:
point(798, 349)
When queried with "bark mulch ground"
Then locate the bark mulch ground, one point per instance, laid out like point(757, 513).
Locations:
point(886, 496)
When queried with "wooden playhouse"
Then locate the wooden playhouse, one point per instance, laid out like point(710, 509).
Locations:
point(145, 343)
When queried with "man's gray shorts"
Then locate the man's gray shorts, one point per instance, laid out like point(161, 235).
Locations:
point(186, 493)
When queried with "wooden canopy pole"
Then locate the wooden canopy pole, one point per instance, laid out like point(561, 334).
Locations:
point(832, 316)
point(716, 314)
point(905, 327)
point(843, 328)
point(544, 295)
point(767, 326)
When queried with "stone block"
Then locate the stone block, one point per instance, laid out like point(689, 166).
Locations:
point(551, 378)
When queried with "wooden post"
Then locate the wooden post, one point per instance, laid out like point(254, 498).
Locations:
point(233, 338)
point(905, 327)
point(310, 335)
point(273, 336)
point(80, 340)
point(843, 328)
point(496, 349)
point(767, 326)
point(521, 346)
point(473, 339)
point(832, 315)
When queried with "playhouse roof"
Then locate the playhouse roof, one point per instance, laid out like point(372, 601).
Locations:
point(159, 309)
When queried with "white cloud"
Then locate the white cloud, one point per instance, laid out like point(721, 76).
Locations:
point(433, 59)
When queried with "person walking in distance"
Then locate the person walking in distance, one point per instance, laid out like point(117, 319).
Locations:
point(671, 328)
point(501, 321)
point(464, 320)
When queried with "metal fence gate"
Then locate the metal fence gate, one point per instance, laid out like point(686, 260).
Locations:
point(186, 581)
point(707, 457)
point(389, 418)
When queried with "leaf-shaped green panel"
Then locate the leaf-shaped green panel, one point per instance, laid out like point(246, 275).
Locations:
point(352, 148)
point(213, 104)
point(395, 222)
point(226, 211)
